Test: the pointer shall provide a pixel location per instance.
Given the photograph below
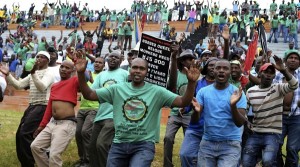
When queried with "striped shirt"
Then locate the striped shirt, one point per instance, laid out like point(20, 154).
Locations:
point(267, 106)
point(295, 110)
point(40, 84)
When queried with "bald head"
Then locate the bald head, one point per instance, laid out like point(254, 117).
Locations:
point(140, 61)
point(66, 69)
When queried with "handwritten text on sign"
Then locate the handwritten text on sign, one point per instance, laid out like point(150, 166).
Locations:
point(157, 53)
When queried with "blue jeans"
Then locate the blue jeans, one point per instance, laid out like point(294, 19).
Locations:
point(295, 38)
point(233, 36)
point(273, 32)
point(188, 25)
point(64, 17)
point(265, 144)
point(190, 148)
point(291, 128)
point(285, 34)
point(219, 153)
point(131, 154)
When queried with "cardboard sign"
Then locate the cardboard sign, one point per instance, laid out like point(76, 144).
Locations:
point(157, 53)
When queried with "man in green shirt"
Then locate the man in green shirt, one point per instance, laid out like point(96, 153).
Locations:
point(274, 28)
point(85, 118)
point(121, 35)
point(293, 31)
point(136, 111)
point(233, 30)
point(45, 23)
point(128, 35)
point(273, 8)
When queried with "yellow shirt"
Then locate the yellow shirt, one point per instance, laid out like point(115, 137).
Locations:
point(210, 19)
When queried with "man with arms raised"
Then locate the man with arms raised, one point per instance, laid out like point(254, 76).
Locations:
point(136, 107)
point(58, 132)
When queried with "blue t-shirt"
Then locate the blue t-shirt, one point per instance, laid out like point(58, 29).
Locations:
point(199, 126)
point(13, 65)
point(219, 125)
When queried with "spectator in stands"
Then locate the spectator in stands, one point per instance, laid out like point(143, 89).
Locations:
point(191, 20)
point(45, 23)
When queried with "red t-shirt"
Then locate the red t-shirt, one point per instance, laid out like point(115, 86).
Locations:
point(65, 90)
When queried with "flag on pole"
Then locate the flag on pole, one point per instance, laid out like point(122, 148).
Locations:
point(137, 33)
point(263, 39)
point(251, 53)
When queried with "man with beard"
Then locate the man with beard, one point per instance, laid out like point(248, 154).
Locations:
point(103, 129)
point(39, 80)
point(223, 108)
point(177, 84)
point(266, 100)
point(136, 111)
point(56, 134)
point(291, 112)
point(193, 134)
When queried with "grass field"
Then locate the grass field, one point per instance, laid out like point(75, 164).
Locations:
point(10, 120)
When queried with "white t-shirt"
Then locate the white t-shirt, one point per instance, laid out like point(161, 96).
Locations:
point(56, 74)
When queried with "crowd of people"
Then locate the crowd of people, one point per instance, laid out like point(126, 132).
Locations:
point(229, 116)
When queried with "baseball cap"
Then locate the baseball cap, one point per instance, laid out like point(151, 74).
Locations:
point(44, 53)
point(266, 66)
point(204, 70)
point(187, 53)
point(289, 52)
point(206, 52)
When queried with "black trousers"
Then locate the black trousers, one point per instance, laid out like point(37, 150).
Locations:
point(30, 121)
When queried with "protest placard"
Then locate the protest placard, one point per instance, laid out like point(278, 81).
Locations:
point(157, 52)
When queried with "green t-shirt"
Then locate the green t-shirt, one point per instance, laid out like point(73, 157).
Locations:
point(41, 46)
point(282, 6)
point(64, 10)
point(242, 24)
point(29, 64)
point(137, 111)
point(113, 17)
point(216, 19)
point(293, 27)
point(22, 52)
point(165, 16)
point(121, 18)
point(104, 80)
point(273, 7)
point(152, 7)
point(205, 11)
point(181, 86)
point(274, 23)
point(128, 30)
point(287, 22)
point(252, 24)
point(223, 19)
point(233, 28)
point(121, 30)
point(103, 17)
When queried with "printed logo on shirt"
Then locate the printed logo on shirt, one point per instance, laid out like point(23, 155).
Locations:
point(134, 109)
point(109, 82)
point(182, 89)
